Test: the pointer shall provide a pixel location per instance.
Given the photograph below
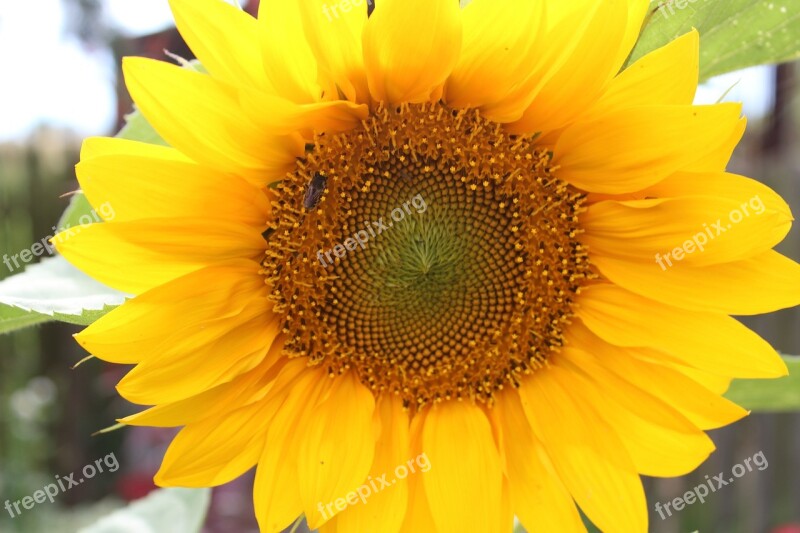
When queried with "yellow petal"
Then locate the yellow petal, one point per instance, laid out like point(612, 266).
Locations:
point(637, 16)
point(538, 496)
point(224, 350)
point(337, 446)
point(150, 252)
point(418, 513)
point(659, 439)
point(717, 152)
point(708, 341)
point(141, 327)
point(101, 146)
point(588, 38)
point(410, 48)
point(655, 231)
point(722, 184)
point(216, 450)
point(506, 509)
point(276, 491)
point(203, 118)
point(716, 383)
point(334, 32)
point(132, 187)
point(501, 38)
point(715, 380)
point(701, 406)
point(289, 59)
point(666, 76)
point(282, 117)
point(462, 498)
point(222, 37)
point(587, 454)
point(220, 448)
point(766, 282)
point(633, 148)
point(384, 511)
point(240, 391)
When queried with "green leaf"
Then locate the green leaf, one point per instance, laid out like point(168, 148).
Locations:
point(76, 212)
point(14, 318)
point(55, 290)
point(734, 34)
point(138, 129)
point(86, 317)
point(161, 511)
point(769, 395)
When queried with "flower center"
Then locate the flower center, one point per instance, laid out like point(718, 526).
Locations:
point(428, 251)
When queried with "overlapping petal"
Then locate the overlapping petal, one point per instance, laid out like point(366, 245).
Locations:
point(221, 36)
point(334, 35)
point(589, 457)
point(134, 331)
point(656, 374)
point(151, 252)
point(203, 118)
point(648, 230)
point(384, 510)
point(538, 496)
point(464, 486)
point(660, 440)
point(134, 183)
point(708, 341)
point(586, 36)
point(500, 46)
point(337, 446)
point(410, 48)
point(633, 148)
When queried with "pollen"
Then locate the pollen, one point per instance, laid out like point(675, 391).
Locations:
point(441, 260)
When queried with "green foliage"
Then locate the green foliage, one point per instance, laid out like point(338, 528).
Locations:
point(138, 129)
point(771, 395)
point(78, 207)
point(53, 290)
point(734, 34)
point(14, 318)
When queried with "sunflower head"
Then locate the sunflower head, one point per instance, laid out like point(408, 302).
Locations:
point(407, 229)
point(454, 301)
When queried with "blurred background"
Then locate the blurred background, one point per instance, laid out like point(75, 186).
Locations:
point(60, 82)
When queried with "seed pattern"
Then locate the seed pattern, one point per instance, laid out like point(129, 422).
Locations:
point(456, 300)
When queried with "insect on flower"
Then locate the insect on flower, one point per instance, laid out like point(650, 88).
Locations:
point(314, 191)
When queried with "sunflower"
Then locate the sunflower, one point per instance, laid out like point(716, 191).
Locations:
point(404, 231)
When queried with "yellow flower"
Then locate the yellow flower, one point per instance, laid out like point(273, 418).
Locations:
point(490, 252)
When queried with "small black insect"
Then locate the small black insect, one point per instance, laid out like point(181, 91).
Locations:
point(314, 192)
